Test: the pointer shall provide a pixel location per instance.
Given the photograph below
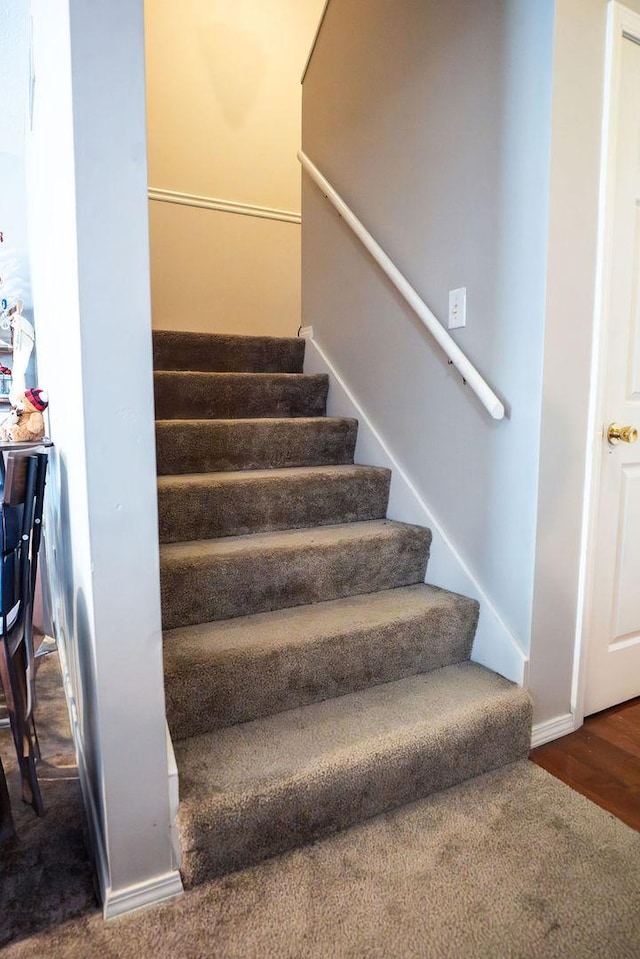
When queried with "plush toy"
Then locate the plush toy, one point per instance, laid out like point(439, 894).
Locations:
point(25, 423)
point(5, 425)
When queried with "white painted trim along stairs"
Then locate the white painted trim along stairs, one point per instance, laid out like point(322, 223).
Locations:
point(495, 646)
point(553, 729)
point(154, 890)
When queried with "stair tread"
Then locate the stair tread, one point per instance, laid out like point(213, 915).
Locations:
point(204, 335)
point(295, 422)
point(204, 505)
point(307, 742)
point(240, 375)
point(257, 476)
point(186, 393)
point(202, 445)
point(241, 339)
point(236, 670)
point(291, 539)
point(180, 350)
point(306, 625)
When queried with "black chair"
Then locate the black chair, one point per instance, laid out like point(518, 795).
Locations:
point(19, 539)
point(6, 819)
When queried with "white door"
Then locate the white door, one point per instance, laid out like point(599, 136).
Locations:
point(613, 630)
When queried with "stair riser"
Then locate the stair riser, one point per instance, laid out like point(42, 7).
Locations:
point(304, 810)
point(234, 509)
point(226, 354)
point(254, 683)
point(202, 447)
point(222, 587)
point(237, 395)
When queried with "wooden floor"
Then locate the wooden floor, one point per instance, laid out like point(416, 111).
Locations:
point(601, 760)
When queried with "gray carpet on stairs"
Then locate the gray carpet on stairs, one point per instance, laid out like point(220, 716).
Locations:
point(302, 774)
point(312, 679)
point(181, 395)
point(207, 505)
point(218, 674)
point(214, 579)
point(200, 446)
point(226, 354)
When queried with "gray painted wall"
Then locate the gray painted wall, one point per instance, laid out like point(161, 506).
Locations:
point(87, 189)
point(433, 121)
point(14, 75)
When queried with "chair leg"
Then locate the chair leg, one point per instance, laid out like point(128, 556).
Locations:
point(34, 739)
point(6, 819)
point(13, 679)
point(30, 786)
point(26, 753)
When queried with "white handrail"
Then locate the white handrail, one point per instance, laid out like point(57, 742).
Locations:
point(453, 352)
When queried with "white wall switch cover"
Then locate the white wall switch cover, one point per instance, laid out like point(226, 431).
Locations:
point(457, 308)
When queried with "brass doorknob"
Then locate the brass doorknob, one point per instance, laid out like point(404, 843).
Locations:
point(621, 434)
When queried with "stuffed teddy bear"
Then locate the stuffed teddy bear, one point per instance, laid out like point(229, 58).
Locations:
point(25, 422)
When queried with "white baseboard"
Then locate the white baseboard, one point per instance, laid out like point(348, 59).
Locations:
point(154, 890)
point(495, 646)
point(553, 729)
point(148, 893)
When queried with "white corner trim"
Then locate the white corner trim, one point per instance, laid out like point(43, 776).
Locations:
point(223, 206)
point(553, 729)
point(142, 894)
point(315, 39)
point(494, 646)
point(174, 800)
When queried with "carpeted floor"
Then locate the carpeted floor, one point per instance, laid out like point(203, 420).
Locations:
point(511, 865)
point(45, 873)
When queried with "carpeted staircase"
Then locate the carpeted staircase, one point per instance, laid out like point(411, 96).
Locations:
point(313, 680)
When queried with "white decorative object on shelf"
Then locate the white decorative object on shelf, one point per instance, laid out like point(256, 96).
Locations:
point(23, 336)
point(23, 340)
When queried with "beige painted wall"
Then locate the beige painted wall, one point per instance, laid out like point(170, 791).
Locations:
point(220, 272)
point(223, 113)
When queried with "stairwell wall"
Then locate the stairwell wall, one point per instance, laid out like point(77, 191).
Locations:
point(433, 121)
point(224, 105)
point(89, 256)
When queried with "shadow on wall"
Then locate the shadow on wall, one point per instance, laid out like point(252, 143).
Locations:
point(72, 622)
point(229, 50)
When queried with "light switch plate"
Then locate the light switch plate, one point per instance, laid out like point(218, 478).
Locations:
point(457, 308)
